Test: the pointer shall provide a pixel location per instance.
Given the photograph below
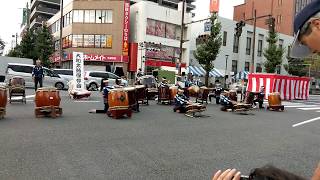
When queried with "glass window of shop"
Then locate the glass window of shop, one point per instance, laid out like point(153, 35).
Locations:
point(97, 41)
point(78, 16)
point(88, 41)
point(77, 41)
point(162, 29)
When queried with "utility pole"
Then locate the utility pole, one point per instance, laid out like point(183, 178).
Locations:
point(61, 27)
point(254, 40)
point(28, 17)
point(181, 38)
point(16, 39)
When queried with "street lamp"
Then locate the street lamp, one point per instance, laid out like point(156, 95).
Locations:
point(225, 72)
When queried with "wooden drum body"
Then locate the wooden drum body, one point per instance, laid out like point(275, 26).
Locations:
point(140, 92)
point(193, 91)
point(118, 101)
point(3, 97)
point(164, 93)
point(173, 91)
point(46, 97)
point(132, 98)
point(233, 95)
point(274, 99)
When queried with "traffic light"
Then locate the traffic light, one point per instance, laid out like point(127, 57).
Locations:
point(271, 23)
point(239, 26)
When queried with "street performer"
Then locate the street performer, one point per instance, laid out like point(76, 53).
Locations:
point(105, 92)
point(226, 102)
point(181, 102)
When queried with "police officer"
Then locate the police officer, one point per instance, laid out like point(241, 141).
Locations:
point(37, 75)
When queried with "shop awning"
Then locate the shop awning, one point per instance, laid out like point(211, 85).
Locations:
point(199, 71)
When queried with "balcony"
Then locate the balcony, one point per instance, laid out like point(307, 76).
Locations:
point(37, 22)
point(35, 3)
point(43, 10)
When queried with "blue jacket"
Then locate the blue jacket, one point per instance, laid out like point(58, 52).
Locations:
point(224, 100)
point(37, 72)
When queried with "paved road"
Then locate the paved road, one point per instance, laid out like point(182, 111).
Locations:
point(155, 143)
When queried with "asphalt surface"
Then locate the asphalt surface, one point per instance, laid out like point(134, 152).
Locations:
point(154, 144)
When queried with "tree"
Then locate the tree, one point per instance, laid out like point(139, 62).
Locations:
point(44, 45)
point(15, 52)
point(27, 46)
point(295, 67)
point(208, 51)
point(273, 53)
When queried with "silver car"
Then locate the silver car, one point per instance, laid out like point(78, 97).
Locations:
point(51, 79)
point(93, 79)
point(66, 74)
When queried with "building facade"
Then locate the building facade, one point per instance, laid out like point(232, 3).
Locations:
point(173, 4)
point(41, 11)
point(157, 30)
point(236, 55)
point(282, 10)
point(99, 29)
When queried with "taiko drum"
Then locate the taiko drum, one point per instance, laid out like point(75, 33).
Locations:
point(47, 97)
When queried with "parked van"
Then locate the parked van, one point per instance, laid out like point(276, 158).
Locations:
point(66, 74)
point(51, 79)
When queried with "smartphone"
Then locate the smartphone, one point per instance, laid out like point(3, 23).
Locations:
point(244, 177)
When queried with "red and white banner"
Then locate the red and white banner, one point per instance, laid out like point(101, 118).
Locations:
point(96, 57)
point(289, 87)
point(126, 28)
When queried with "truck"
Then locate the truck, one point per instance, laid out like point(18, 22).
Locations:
point(4, 60)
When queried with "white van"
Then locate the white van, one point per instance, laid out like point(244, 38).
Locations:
point(51, 79)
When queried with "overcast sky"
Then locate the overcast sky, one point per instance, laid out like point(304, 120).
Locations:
point(11, 15)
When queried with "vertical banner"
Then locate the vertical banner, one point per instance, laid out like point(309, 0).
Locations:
point(126, 28)
point(78, 69)
point(214, 6)
point(133, 57)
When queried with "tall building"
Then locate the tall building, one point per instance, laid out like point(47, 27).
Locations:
point(97, 28)
point(157, 30)
point(42, 10)
point(170, 3)
point(282, 10)
point(300, 4)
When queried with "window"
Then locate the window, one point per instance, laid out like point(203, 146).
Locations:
point(98, 16)
point(279, 2)
point(99, 75)
point(103, 41)
point(97, 41)
point(88, 41)
point(248, 46)
point(77, 41)
point(109, 16)
point(163, 29)
point(235, 44)
point(246, 66)
point(279, 19)
point(112, 76)
point(260, 48)
point(224, 42)
point(109, 41)
point(258, 68)
point(235, 66)
point(89, 16)
point(78, 16)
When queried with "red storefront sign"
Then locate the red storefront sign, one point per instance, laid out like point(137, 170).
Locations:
point(96, 58)
point(214, 6)
point(133, 57)
point(158, 63)
point(126, 28)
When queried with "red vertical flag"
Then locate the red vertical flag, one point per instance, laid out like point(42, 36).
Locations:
point(214, 6)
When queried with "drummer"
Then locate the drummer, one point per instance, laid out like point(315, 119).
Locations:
point(181, 102)
point(118, 84)
point(226, 102)
point(260, 97)
point(164, 82)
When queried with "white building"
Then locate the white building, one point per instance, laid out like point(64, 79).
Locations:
point(157, 30)
point(239, 55)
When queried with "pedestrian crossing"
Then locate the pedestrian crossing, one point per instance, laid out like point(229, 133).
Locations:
point(303, 106)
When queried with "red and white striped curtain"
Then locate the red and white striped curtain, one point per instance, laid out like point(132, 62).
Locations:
point(289, 87)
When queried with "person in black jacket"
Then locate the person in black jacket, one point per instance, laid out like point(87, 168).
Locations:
point(37, 75)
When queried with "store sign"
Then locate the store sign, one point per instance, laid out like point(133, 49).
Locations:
point(126, 28)
point(207, 26)
point(78, 70)
point(214, 6)
point(96, 57)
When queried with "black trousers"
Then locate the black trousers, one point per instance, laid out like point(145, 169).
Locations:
point(37, 80)
point(182, 109)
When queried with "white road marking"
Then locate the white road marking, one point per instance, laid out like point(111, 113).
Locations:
point(310, 108)
point(305, 122)
point(87, 101)
point(301, 106)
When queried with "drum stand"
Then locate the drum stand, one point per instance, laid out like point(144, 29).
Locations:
point(2, 112)
point(50, 111)
point(276, 108)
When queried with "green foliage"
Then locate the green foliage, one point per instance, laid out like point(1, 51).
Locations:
point(295, 67)
point(44, 45)
point(207, 52)
point(35, 45)
point(273, 53)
